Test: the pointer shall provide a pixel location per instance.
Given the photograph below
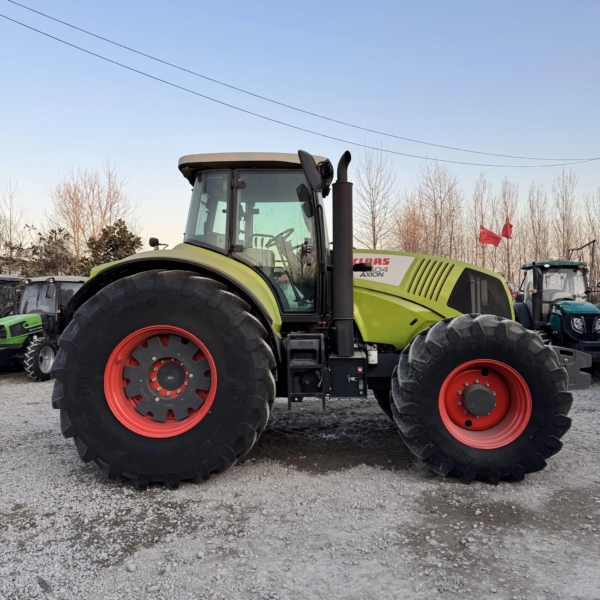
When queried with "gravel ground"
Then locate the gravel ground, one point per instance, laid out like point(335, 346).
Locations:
point(327, 505)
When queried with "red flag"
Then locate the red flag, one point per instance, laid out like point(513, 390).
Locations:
point(488, 237)
point(507, 229)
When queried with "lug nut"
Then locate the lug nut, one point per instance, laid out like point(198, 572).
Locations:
point(494, 393)
point(459, 403)
point(466, 384)
point(159, 388)
point(157, 399)
point(191, 375)
point(154, 379)
point(459, 392)
point(477, 381)
point(154, 358)
point(486, 384)
point(179, 391)
point(162, 362)
point(155, 369)
point(168, 393)
point(466, 412)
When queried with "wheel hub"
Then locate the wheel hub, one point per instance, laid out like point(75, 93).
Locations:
point(168, 378)
point(479, 400)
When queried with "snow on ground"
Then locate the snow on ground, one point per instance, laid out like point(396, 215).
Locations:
point(327, 505)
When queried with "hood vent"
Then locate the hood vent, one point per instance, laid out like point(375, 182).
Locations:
point(429, 278)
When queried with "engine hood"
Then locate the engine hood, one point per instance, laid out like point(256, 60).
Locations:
point(572, 307)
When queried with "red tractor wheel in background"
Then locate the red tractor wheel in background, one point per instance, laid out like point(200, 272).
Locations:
point(480, 397)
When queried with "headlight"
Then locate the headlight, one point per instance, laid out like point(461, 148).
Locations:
point(597, 325)
point(556, 310)
point(578, 324)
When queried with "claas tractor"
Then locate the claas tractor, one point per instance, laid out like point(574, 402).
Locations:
point(170, 366)
point(554, 301)
point(30, 335)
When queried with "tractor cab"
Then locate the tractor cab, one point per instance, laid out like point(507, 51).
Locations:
point(30, 333)
point(9, 294)
point(259, 209)
point(48, 297)
point(554, 300)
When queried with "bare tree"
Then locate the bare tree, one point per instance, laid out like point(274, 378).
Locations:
point(85, 201)
point(565, 211)
point(481, 208)
point(376, 200)
point(440, 200)
point(12, 223)
point(408, 231)
point(509, 198)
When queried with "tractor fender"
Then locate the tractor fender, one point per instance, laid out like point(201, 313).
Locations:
point(265, 311)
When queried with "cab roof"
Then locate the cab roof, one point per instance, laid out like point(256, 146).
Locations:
point(190, 164)
point(556, 263)
point(10, 278)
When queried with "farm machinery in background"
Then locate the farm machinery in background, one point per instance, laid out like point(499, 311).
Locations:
point(170, 366)
point(554, 300)
point(30, 333)
point(9, 294)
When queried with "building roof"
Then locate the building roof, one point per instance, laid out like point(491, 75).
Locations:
point(555, 264)
point(57, 278)
point(193, 163)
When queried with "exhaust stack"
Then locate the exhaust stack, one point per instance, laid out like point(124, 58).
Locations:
point(343, 290)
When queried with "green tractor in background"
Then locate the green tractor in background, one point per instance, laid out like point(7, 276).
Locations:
point(9, 294)
point(30, 335)
point(554, 301)
point(170, 366)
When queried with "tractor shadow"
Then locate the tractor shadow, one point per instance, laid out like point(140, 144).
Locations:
point(347, 434)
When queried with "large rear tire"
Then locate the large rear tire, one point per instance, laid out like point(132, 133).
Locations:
point(164, 377)
point(480, 397)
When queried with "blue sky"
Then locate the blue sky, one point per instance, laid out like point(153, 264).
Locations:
point(509, 77)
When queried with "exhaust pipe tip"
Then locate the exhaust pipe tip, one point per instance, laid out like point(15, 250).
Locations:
point(342, 169)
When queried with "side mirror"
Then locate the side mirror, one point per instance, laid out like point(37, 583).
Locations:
point(309, 166)
point(51, 290)
point(153, 242)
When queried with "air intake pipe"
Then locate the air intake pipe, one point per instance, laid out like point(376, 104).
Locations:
point(343, 290)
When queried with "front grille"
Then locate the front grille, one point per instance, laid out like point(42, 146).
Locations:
point(429, 278)
point(2, 332)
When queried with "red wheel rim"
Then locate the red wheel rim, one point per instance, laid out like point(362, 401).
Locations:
point(506, 420)
point(179, 357)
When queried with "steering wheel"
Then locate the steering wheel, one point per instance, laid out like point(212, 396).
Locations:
point(283, 236)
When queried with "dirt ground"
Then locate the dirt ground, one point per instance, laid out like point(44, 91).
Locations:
point(327, 505)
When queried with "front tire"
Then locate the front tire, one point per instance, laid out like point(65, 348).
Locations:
point(164, 377)
point(480, 397)
point(39, 358)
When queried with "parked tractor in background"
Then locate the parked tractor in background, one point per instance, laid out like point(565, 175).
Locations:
point(170, 366)
point(554, 302)
point(9, 294)
point(30, 336)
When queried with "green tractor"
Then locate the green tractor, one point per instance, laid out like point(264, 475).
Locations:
point(9, 294)
point(554, 302)
point(30, 336)
point(170, 366)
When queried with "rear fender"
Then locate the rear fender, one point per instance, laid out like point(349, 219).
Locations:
point(262, 307)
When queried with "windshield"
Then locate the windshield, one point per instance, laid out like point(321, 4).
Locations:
point(207, 219)
point(275, 233)
point(29, 298)
point(7, 297)
point(564, 282)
